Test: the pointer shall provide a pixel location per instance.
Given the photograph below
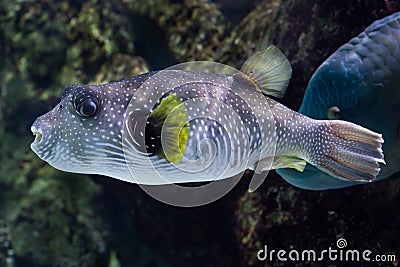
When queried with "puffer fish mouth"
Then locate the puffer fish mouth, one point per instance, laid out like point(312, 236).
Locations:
point(37, 133)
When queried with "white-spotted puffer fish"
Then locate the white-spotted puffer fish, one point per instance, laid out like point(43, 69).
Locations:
point(195, 127)
point(360, 83)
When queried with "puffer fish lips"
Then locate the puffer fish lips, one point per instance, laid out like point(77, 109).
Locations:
point(80, 134)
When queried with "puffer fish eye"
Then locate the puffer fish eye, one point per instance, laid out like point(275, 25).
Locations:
point(333, 113)
point(86, 103)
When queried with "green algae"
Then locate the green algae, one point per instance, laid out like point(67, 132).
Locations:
point(50, 217)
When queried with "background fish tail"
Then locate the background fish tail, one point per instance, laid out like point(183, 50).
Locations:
point(350, 152)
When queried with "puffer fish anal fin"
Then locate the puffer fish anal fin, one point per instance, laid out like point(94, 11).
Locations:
point(167, 129)
point(270, 70)
point(284, 161)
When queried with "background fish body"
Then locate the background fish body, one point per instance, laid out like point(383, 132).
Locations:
point(359, 83)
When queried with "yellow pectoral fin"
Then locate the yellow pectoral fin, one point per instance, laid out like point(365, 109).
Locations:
point(289, 162)
point(271, 163)
point(174, 143)
point(172, 117)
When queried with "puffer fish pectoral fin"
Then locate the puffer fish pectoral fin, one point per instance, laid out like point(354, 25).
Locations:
point(284, 161)
point(270, 70)
point(292, 162)
point(169, 129)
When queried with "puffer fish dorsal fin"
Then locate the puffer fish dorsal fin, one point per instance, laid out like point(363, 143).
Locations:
point(270, 70)
point(169, 122)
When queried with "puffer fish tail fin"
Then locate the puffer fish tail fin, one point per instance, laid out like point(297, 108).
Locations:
point(270, 70)
point(351, 153)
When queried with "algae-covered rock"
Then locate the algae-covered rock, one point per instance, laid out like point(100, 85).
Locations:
point(96, 33)
point(57, 223)
point(49, 215)
point(279, 215)
point(120, 66)
point(50, 218)
point(283, 217)
point(195, 30)
point(34, 33)
point(306, 31)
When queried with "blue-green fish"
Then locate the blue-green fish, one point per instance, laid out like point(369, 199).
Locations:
point(195, 126)
point(360, 83)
